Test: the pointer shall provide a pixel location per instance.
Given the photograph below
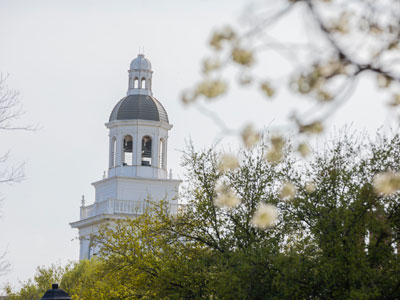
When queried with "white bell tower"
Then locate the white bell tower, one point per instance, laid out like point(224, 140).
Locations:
point(138, 139)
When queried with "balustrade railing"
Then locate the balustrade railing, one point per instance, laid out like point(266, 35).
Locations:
point(114, 206)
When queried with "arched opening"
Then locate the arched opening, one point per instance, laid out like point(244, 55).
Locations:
point(143, 83)
point(127, 154)
point(136, 84)
point(113, 151)
point(146, 151)
point(161, 155)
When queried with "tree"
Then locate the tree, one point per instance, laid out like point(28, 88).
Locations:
point(34, 289)
point(345, 42)
point(4, 265)
point(336, 235)
point(328, 228)
point(87, 280)
point(148, 261)
point(10, 111)
point(81, 280)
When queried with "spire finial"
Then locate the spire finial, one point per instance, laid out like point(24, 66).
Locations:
point(141, 50)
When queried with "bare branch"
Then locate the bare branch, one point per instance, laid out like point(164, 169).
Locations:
point(343, 55)
point(4, 265)
point(10, 107)
point(13, 174)
point(10, 111)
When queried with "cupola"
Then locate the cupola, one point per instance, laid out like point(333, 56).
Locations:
point(140, 76)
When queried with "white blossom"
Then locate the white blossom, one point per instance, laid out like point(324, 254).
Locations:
point(228, 162)
point(288, 191)
point(387, 183)
point(267, 89)
point(278, 142)
point(303, 149)
point(265, 216)
point(242, 56)
point(310, 187)
point(226, 197)
point(211, 88)
point(274, 155)
point(250, 137)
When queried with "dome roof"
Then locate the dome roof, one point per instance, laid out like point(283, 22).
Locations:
point(140, 63)
point(139, 107)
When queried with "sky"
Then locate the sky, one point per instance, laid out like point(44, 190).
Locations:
point(69, 62)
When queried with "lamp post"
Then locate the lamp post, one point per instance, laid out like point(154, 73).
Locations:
point(55, 293)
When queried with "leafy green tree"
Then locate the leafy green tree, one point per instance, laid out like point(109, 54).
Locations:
point(344, 233)
point(33, 289)
point(148, 261)
point(336, 235)
point(87, 280)
point(326, 228)
point(81, 280)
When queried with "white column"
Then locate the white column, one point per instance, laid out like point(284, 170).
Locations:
point(110, 151)
point(118, 154)
point(166, 153)
point(154, 151)
point(84, 248)
point(139, 149)
point(135, 152)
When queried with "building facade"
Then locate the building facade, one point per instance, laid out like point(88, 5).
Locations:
point(138, 143)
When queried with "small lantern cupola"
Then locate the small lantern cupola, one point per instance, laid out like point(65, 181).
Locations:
point(140, 76)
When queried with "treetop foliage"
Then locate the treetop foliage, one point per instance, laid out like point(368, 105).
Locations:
point(335, 236)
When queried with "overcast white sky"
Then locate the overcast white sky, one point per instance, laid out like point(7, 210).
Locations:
point(69, 60)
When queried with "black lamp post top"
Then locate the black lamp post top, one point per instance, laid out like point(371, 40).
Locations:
point(56, 294)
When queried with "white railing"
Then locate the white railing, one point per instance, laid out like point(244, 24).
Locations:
point(114, 206)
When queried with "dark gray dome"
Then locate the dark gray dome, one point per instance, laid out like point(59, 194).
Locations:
point(139, 107)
